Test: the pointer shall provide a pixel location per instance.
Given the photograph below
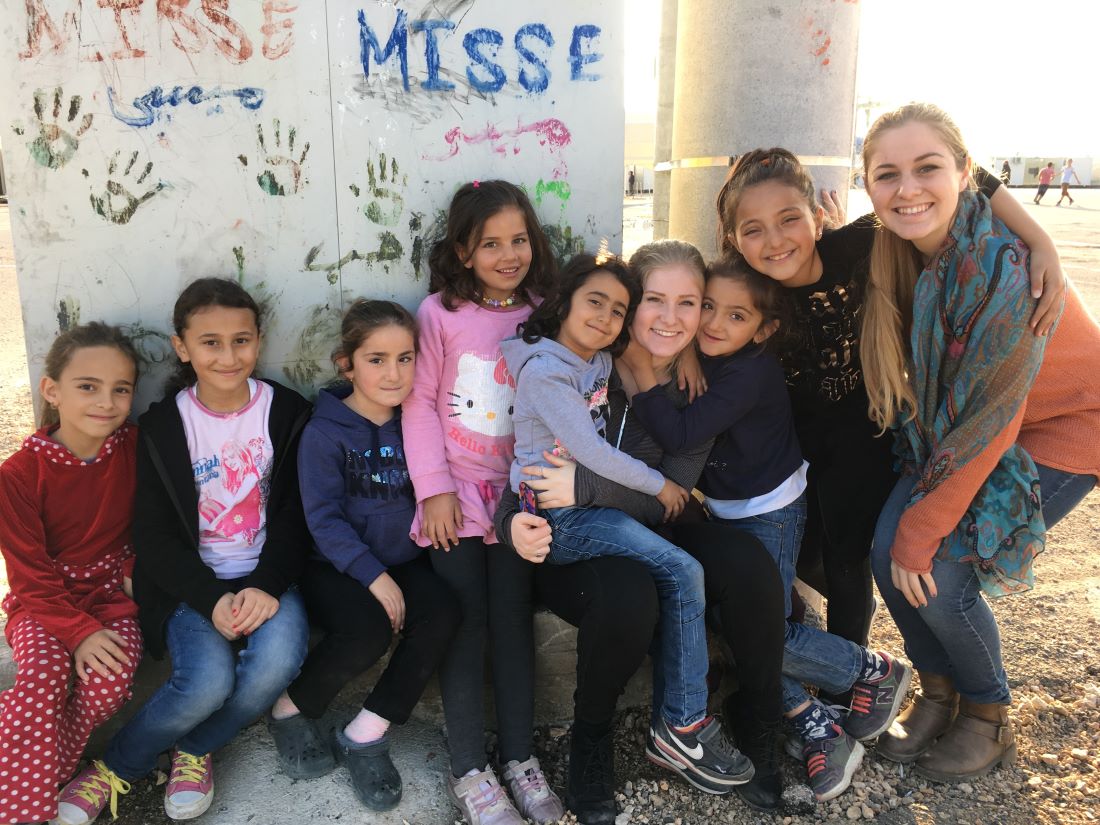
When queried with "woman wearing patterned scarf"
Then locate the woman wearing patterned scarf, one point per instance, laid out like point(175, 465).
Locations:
point(996, 441)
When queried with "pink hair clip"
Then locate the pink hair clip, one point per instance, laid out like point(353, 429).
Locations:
point(477, 184)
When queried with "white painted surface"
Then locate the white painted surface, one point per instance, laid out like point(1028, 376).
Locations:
point(192, 92)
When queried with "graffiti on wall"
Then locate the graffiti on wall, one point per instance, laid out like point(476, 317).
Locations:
point(310, 157)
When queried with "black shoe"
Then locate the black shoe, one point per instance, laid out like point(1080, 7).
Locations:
point(591, 790)
point(373, 777)
point(758, 739)
point(704, 757)
point(303, 752)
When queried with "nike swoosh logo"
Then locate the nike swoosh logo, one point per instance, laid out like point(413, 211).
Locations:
point(694, 753)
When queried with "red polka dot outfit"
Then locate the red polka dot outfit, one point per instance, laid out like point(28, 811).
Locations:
point(64, 535)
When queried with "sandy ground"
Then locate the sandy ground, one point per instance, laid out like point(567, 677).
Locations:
point(1049, 638)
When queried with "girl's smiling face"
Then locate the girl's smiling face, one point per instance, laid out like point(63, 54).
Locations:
point(597, 311)
point(730, 319)
point(914, 182)
point(668, 316)
point(92, 395)
point(381, 372)
point(776, 230)
point(222, 344)
point(502, 256)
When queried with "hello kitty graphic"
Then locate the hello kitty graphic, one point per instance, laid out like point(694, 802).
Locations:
point(483, 393)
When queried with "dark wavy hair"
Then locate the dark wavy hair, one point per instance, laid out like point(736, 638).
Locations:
point(472, 205)
point(198, 295)
point(546, 320)
point(65, 345)
point(768, 296)
point(362, 319)
point(751, 168)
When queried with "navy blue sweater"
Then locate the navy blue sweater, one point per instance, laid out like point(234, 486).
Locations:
point(747, 409)
point(355, 489)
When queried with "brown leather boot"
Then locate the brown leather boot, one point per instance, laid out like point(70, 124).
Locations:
point(980, 739)
point(924, 721)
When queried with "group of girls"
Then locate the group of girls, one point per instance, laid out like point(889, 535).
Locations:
point(544, 413)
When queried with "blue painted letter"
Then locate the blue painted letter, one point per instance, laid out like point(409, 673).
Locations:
point(494, 41)
point(536, 83)
point(431, 53)
point(578, 56)
point(398, 42)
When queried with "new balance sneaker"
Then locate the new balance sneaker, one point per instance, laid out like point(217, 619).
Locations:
point(703, 756)
point(531, 792)
point(831, 763)
point(190, 786)
point(876, 704)
point(93, 789)
point(481, 799)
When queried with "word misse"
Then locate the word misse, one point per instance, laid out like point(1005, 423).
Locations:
point(532, 41)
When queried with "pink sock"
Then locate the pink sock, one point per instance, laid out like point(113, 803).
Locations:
point(366, 727)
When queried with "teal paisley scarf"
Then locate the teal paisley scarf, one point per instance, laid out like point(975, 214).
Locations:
point(974, 361)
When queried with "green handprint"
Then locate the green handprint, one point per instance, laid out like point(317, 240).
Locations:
point(284, 174)
point(117, 204)
point(387, 205)
point(53, 147)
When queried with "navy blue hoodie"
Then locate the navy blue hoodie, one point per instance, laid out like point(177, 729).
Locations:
point(355, 488)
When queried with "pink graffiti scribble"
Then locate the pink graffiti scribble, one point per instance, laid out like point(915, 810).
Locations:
point(551, 134)
point(820, 41)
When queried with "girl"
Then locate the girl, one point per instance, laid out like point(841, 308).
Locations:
point(993, 446)
point(370, 580)
point(221, 603)
point(66, 500)
point(488, 273)
point(754, 479)
point(612, 600)
point(561, 370)
point(767, 213)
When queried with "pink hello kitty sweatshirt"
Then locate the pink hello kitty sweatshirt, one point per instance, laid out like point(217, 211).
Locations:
point(457, 421)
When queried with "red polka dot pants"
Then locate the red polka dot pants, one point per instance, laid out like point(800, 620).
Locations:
point(45, 724)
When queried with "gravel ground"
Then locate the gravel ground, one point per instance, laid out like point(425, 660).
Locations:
point(1048, 634)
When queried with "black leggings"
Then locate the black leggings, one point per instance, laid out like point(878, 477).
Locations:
point(491, 589)
point(358, 633)
point(745, 599)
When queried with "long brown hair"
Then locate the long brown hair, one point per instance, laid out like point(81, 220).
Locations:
point(472, 205)
point(895, 265)
point(65, 345)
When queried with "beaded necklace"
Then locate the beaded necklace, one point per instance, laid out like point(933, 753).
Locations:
point(494, 303)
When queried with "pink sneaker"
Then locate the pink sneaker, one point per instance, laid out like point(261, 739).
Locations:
point(190, 786)
point(93, 789)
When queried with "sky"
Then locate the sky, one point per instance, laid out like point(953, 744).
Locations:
point(1020, 77)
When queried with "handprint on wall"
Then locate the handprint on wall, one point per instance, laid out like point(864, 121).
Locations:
point(54, 146)
point(282, 174)
point(116, 203)
point(386, 204)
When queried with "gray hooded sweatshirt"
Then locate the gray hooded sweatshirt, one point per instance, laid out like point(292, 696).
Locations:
point(561, 407)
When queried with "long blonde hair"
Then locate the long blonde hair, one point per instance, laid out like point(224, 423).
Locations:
point(895, 265)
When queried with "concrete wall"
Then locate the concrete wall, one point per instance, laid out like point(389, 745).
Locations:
point(311, 156)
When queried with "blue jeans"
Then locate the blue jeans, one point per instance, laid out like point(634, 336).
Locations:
point(582, 533)
point(214, 690)
point(956, 635)
point(810, 655)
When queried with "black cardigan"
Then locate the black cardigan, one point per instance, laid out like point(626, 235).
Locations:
point(169, 569)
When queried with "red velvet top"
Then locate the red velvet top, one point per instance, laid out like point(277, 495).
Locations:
point(65, 534)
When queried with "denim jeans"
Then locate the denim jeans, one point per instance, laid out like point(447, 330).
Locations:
point(780, 531)
point(582, 533)
point(956, 635)
point(810, 656)
point(216, 687)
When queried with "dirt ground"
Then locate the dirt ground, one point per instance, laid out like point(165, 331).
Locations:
point(1049, 638)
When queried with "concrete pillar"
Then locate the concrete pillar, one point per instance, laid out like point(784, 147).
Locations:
point(666, 87)
point(756, 73)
